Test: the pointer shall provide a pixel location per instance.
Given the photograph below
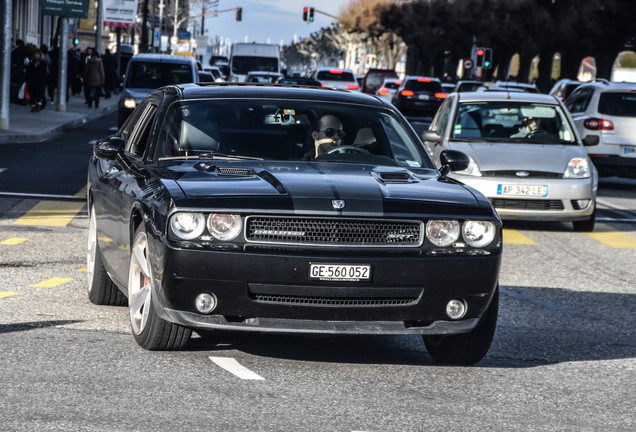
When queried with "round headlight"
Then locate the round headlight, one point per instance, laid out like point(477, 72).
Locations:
point(187, 226)
point(224, 226)
point(478, 233)
point(442, 232)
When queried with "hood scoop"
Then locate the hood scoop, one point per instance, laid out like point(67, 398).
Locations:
point(236, 171)
point(393, 177)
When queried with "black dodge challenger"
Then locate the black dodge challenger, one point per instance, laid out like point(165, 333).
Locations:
point(219, 206)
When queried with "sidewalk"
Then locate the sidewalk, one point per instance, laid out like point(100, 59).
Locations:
point(25, 126)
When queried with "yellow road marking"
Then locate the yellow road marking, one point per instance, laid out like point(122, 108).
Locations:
point(51, 213)
point(613, 238)
point(81, 193)
point(511, 236)
point(8, 294)
point(13, 241)
point(105, 239)
point(50, 283)
point(82, 270)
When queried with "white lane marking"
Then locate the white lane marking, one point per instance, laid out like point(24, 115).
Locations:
point(2, 169)
point(35, 195)
point(234, 367)
point(92, 142)
point(113, 128)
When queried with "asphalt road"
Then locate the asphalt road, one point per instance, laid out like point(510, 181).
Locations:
point(563, 357)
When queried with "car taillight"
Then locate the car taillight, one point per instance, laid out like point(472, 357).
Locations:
point(440, 95)
point(593, 123)
point(407, 93)
point(352, 86)
point(423, 80)
point(397, 83)
point(335, 71)
point(383, 91)
point(323, 84)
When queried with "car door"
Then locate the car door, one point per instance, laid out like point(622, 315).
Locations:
point(118, 186)
point(578, 104)
point(439, 128)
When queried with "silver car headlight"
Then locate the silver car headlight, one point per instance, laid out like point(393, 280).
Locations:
point(478, 233)
point(577, 168)
point(471, 170)
point(224, 226)
point(442, 232)
point(186, 225)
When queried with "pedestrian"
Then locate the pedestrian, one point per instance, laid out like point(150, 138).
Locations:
point(94, 78)
point(76, 82)
point(51, 85)
point(85, 56)
point(110, 73)
point(36, 75)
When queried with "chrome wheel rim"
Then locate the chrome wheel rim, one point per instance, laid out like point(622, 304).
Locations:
point(139, 283)
point(91, 249)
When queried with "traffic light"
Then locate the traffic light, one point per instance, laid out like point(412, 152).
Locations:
point(75, 41)
point(305, 13)
point(487, 58)
point(239, 14)
point(480, 57)
point(311, 14)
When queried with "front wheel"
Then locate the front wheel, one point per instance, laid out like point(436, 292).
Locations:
point(585, 225)
point(467, 348)
point(150, 331)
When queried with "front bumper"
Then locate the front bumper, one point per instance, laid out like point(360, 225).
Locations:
point(559, 205)
point(270, 291)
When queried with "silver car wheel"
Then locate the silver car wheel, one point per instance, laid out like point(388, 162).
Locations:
point(91, 250)
point(139, 284)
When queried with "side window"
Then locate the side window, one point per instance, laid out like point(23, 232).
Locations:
point(441, 119)
point(138, 139)
point(579, 100)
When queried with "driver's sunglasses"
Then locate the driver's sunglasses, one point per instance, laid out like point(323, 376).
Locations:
point(331, 132)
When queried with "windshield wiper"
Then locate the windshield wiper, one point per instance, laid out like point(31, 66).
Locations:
point(218, 156)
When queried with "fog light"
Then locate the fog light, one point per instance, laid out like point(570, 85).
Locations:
point(205, 303)
point(580, 204)
point(456, 309)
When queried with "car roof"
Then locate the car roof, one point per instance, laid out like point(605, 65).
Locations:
point(169, 58)
point(609, 85)
point(507, 96)
point(416, 77)
point(274, 91)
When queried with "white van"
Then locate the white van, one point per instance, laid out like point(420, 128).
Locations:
point(247, 57)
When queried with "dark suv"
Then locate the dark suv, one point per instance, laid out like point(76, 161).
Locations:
point(374, 78)
point(419, 96)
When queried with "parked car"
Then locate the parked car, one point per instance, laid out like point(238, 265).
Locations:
point(206, 214)
point(263, 77)
point(388, 88)
point(336, 78)
point(563, 88)
point(374, 78)
point(468, 86)
point(513, 86)
point(607, 111)
point(419, 97)
point(146, 72)
point(300, 81)
point(215, 71)
point(525, 155)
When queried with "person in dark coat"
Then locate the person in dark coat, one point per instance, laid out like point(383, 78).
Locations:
point(94, 78)
point(74, 77)
point(110, 73)
point(36, 75)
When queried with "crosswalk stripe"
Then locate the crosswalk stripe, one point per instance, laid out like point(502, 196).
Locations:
point(234, 367)
point(13, 241)
point(51, 283)
point(613, 238)
point(8, 294)
point(512, 236)
point(51, 213)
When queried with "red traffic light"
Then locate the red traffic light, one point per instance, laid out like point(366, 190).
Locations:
point(480, 52)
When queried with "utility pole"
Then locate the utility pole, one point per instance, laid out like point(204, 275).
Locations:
point(99, 24)
point(5, 64)
point(63, 60)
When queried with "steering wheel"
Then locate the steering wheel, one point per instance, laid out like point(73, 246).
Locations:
point(348, 149)
point(538, 132)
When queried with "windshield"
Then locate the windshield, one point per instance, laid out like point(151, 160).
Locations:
point(244, 64)
point(512, 122)
point(287, 130)
point(152, 75)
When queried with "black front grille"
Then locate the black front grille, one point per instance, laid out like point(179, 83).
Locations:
point(325, 301)
point(524, 174)
point(527, 204)
point(330, 232)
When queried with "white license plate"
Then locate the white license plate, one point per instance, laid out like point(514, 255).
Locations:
point(424, 97)
point(629, 151)
point(340, 272)
point(522, 190)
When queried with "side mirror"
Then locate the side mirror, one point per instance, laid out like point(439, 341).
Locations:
point(453, 160)
point(590, 140)
point(109, 148)
point(431, 136)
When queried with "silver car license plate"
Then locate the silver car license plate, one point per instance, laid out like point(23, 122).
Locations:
point(340, 272)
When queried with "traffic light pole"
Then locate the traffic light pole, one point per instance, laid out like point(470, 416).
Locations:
point(63, 60)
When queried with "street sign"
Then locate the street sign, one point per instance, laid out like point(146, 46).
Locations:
point(468, 64)
point(75, 8)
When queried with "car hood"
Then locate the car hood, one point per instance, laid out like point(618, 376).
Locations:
point(500, 156)
point(320, 188)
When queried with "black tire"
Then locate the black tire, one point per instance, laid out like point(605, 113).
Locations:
point(467, 348)
point(101, 289)
point(150, 331)
point(585, 225)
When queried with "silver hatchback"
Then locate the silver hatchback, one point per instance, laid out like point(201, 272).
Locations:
point(525, 155)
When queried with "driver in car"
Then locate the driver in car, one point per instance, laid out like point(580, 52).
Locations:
point(327, 134)
point(529, 125)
